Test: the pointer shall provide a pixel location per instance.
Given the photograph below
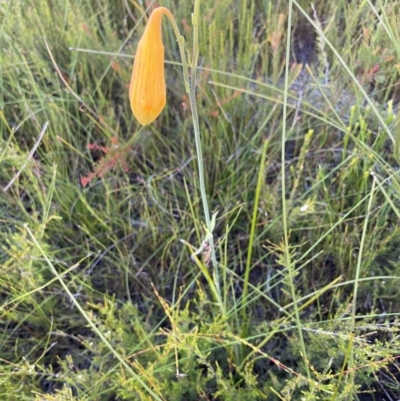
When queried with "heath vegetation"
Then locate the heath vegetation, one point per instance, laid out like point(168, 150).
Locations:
point(242, 244)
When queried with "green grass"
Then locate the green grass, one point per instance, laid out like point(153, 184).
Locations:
point(99, 296)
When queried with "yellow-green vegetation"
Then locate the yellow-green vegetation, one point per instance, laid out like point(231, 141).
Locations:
point(102, 293)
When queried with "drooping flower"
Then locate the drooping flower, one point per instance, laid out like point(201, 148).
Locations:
point(147, 91)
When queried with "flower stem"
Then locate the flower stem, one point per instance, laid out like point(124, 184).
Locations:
point(196, 127)
point(191, 91)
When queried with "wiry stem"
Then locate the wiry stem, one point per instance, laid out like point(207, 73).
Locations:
point(192, 100)
point(191, 91)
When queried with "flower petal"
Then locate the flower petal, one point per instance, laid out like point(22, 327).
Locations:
point(147, 91)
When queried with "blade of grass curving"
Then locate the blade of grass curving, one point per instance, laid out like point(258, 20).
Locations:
point(382, 17)
point(356, 280)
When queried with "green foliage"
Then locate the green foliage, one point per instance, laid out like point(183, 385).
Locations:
point(310, 313)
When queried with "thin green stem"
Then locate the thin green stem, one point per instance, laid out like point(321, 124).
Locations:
point(356, 281)
point(181, 43)
point(288, 262)
point(195, 114)
point(196, 127)
point(260, 181)
point(191, 91)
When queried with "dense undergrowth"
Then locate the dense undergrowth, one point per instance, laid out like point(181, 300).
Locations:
point(99, 297)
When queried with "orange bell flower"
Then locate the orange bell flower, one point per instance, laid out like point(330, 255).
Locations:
point(147, 91)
